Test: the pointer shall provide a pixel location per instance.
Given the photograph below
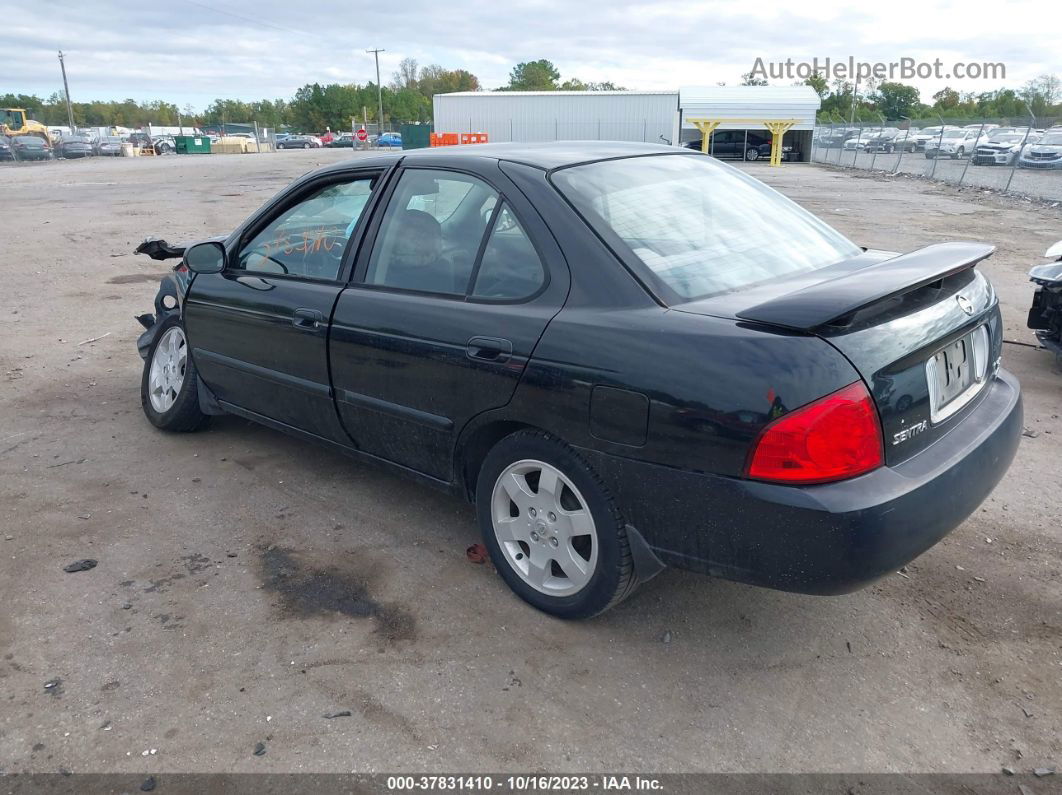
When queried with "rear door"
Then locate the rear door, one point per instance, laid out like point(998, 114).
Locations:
point(455, 284)
point(258, 330)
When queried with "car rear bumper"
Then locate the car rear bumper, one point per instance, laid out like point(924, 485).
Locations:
point(828, 539)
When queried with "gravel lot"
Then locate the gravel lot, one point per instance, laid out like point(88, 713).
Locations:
point(1043, 184)
point(210, 625)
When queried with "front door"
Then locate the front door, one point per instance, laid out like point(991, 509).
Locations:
point(447, 306)
point(259, 329)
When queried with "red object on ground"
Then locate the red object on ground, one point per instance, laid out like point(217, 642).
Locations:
point(477, 553)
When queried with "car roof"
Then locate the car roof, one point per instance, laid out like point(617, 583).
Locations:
point(547, 156)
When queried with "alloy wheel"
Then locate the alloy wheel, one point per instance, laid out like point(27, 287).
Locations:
point(544, 528)
point(168, 365)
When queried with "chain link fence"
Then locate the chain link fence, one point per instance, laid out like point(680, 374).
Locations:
point(1020, 156)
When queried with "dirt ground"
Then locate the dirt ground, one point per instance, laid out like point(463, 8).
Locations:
point(249, 583)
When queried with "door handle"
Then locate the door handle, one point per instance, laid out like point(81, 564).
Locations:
point(489, 349)
point(306, 319)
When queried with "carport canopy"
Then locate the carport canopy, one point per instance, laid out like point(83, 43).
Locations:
point(777, 128)
point(777, 108)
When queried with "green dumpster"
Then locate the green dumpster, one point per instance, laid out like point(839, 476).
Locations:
point(192, 144)
point(416, 136)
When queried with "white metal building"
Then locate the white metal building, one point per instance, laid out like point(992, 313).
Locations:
point(650, 116)
point(558, 115)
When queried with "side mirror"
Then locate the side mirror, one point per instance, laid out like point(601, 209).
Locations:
point(205, 257)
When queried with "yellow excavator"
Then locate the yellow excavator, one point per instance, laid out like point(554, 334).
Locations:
point(13, 122)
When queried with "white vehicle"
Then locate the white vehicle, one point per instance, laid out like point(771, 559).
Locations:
point(927, 134)
point(859, 143)
point(1002, 148)
point(955, 143)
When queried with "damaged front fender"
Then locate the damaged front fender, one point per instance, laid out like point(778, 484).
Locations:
point(159, 249)
point(168, 301)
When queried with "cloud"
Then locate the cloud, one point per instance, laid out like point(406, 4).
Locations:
point(193, 51)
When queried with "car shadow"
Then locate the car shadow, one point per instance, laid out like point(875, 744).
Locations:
point(676, 608)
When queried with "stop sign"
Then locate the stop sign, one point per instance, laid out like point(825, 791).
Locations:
point(362, 135)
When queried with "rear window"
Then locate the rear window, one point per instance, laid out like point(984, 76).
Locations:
point(693, 227)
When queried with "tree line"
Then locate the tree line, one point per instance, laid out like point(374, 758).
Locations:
point(408, 98)
point(842, 102)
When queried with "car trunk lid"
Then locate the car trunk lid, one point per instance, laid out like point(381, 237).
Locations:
point(908, 323)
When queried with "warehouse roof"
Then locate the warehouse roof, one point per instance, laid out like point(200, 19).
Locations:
point(748, 95)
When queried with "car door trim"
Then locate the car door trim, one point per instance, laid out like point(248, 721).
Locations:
point(425, 418)
point(282, 203)
point(284, 379)
point(371, 232)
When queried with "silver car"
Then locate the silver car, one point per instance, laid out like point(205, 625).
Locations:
point(1045, 153)
point(927, 134)
point(1002, 148)
point(954, 144)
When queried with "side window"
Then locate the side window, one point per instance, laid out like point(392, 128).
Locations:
point(510, 268)
point(309, 239)
point(431, 232)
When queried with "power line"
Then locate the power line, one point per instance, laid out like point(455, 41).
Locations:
point(234, 15)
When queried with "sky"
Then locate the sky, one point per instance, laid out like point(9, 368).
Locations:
point(190, 52)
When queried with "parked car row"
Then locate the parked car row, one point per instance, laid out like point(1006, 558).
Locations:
point(342, 141)
point(988, 144)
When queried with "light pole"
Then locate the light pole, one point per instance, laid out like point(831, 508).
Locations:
point(66, 92)
point(379, 88)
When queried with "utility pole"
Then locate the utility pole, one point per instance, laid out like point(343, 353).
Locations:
point(66, 93)
point(379, 88)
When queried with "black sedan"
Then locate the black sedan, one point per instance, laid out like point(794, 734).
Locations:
point(624, 355)
point(300, 142)
point(30, 147)
point(77, 146)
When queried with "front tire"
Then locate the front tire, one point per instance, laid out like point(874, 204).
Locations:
point(752, 154)
point(169, 387)
point(552, 529)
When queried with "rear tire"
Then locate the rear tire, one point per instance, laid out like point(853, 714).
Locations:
point(752, 154)
point(539, 505)
point(169, 387)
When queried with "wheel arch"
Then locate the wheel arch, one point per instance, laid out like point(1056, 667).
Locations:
point(475, 443)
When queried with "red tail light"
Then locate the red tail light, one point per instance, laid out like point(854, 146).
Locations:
point(836, 437)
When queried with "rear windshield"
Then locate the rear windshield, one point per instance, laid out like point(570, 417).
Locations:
point(694, 227)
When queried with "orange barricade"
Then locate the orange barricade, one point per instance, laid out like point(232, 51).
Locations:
point(455, 139)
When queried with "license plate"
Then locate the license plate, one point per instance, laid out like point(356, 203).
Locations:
point(955, 374)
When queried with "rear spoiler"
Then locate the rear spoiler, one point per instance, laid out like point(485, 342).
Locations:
point(818, 304)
